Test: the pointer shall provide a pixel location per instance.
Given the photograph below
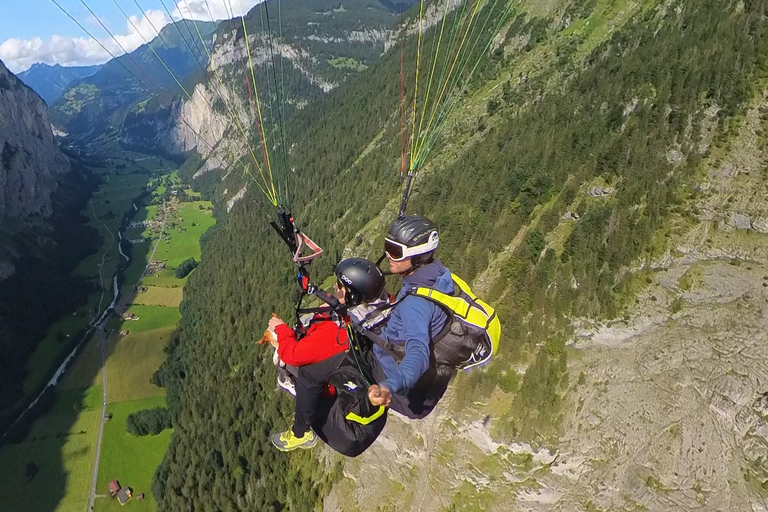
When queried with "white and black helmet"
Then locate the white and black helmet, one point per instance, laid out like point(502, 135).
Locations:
point(414, 237)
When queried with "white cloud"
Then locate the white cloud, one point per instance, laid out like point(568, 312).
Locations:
point(19, 54)
point(219, 9)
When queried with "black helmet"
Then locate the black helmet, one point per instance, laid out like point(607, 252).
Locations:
point(362, 279)
point(413, 237)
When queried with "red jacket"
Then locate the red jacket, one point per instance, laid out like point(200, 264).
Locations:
point(324, 339)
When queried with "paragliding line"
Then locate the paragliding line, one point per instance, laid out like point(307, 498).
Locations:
point(271, 198)
point(233, 113)
point(258, 102)
point(181, 118)
point(416, 87)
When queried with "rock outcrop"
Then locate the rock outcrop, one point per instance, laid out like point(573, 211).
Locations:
point(29, 157)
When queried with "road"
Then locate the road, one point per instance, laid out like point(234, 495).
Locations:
point(103, 349)
point(103, 346)
point(103, 256)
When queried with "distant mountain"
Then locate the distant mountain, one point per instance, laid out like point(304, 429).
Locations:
point(91, 107)
point(51, 81)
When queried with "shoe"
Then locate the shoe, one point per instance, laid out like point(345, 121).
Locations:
point(286, 441)
point(285, 381)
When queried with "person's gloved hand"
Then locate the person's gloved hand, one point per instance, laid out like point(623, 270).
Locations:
point(379, 395)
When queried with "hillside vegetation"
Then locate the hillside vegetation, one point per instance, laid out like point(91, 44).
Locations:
point(603, 108)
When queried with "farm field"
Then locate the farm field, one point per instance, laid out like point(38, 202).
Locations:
point(150, 317)
point(62, 445)
point(160, 296)
point(132, 361)
point(129, 459)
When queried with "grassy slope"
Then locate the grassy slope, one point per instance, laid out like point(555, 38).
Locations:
point(133, 359)
point(160, 296)
point(150, 318)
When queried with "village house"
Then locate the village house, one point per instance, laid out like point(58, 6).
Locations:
point(155, 266)
point(114, 488)
point(124, 495)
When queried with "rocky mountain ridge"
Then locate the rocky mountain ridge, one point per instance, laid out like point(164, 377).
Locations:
point(31, 160)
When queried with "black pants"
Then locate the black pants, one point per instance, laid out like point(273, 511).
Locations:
point(422, 398)
point(310, 380)
point(326, 416)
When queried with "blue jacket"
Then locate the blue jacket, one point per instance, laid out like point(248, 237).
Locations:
point(413, 323)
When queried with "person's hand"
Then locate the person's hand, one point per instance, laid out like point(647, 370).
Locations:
point(379, 395)
point(274, 322)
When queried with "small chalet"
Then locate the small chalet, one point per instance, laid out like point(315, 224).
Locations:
point(124, 332)
point(114, 487)
point(124, 495)
point(140, 496)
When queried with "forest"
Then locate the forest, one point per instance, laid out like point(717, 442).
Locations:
point(605, 116)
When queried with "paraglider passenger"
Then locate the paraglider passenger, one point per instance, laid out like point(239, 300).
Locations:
point(409, 380)
point(331, 393)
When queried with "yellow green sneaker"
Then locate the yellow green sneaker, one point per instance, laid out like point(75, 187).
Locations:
point(286, 441)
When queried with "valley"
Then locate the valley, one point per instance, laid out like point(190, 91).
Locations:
point(111, 375)
point(598, 174)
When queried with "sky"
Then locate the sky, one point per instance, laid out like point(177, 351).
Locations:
point(34, 31)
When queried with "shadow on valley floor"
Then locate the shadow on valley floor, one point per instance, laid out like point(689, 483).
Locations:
point(52, 467)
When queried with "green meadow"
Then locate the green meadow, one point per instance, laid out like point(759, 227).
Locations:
point(62, 446)
point(132, 361)
point(160, 296)
point(129, 459)
point(151, 317)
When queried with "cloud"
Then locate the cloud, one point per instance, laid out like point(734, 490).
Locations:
point(19, 54)
point(219, 9)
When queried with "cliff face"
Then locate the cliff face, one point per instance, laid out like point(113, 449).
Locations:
point(316, 53)
point(30, 159)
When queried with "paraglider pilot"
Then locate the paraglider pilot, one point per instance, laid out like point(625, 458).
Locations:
point(409, 380)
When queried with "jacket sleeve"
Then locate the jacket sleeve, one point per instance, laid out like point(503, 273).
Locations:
point(316, 346)
point(416, 314)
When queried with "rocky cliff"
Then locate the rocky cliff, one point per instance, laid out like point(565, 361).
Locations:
point(317, 50)
point(30, 161)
